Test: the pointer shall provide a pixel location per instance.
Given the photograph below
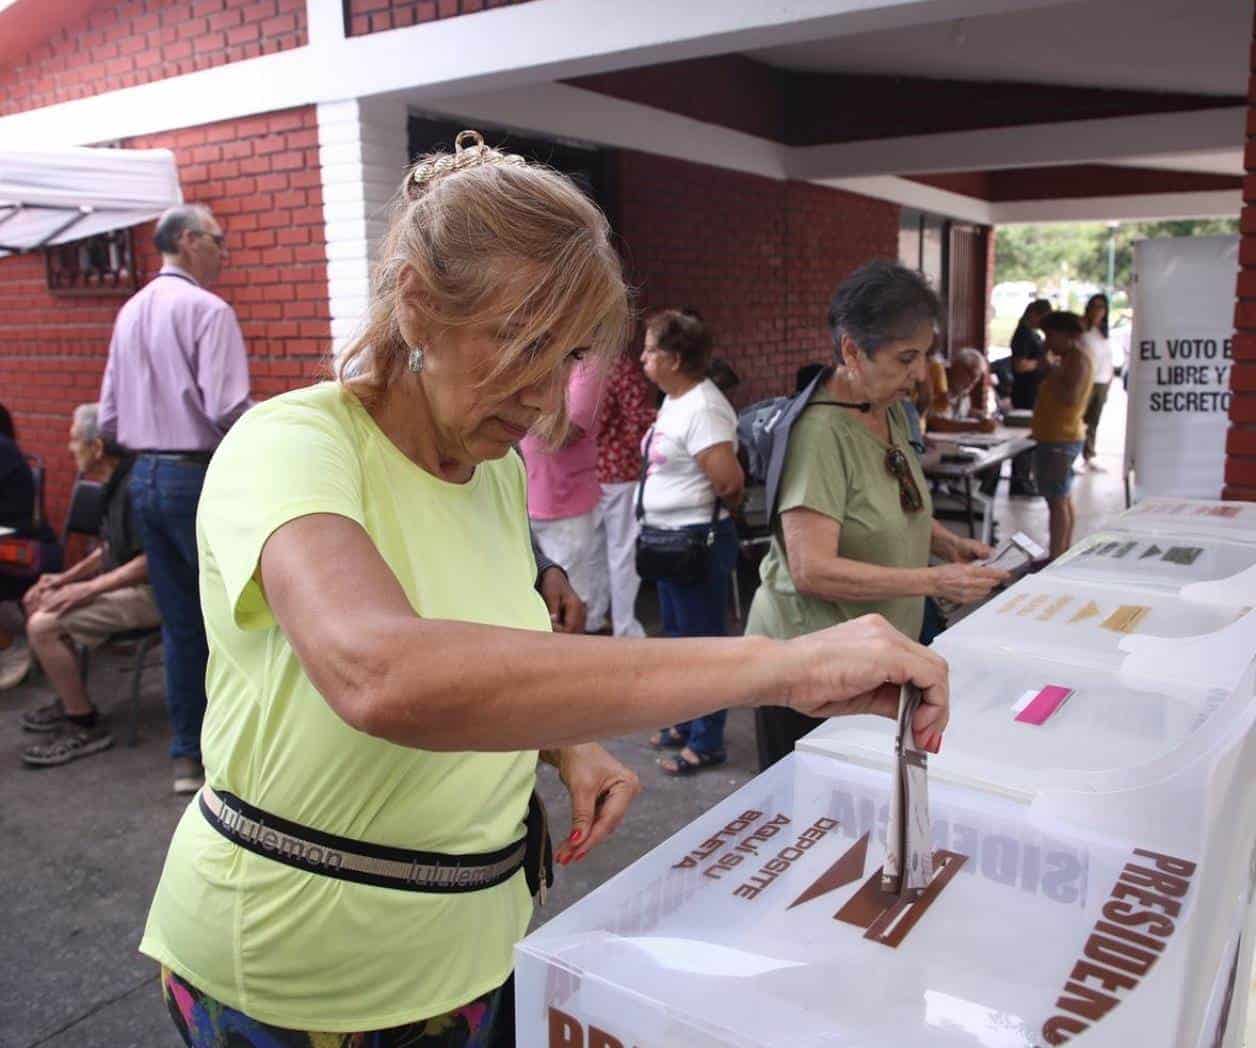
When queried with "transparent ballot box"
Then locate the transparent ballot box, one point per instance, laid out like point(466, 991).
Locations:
point(763, 923)
point(1234, 520)
point(1053, 616)
point(1201, 568)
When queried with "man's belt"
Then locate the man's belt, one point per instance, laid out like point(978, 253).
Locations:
point(199, 457)
point(349, 860)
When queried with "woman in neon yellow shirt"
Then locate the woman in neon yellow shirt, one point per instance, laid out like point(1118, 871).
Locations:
point(382, 670)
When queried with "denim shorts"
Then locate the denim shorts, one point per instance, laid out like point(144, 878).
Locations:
point(1053, 468)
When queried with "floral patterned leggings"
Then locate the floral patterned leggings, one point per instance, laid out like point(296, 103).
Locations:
point(203, 1022)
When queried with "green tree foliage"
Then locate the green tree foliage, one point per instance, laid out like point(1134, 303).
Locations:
point(1079, 250)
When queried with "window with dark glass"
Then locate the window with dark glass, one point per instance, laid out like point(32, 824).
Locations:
point(97, 265)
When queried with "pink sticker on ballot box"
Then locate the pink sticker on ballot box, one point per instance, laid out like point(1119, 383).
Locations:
point(1037, 707)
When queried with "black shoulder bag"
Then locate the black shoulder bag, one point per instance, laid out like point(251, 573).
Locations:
point(677, 555)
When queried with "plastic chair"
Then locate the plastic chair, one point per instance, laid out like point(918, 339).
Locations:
point(84, 517)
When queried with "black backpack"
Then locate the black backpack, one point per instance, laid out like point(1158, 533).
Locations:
point(763, 433)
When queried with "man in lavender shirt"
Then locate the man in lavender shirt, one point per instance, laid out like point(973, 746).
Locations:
point(176, 380)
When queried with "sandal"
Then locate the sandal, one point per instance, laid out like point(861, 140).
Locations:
point(668, 739)
point(680, 765)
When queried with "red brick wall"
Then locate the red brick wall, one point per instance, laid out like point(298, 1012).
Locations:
point(373, 16)
point(260, 176)
point(758, 258)
point(1240, 466)
point(136, 41)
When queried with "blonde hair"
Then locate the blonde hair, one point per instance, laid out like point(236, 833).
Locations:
point(491, 238)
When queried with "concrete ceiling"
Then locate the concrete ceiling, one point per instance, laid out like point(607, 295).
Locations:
point(1217, 162)
point(1152, 45)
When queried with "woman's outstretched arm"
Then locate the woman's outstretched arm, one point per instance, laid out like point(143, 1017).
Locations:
point(444, 685)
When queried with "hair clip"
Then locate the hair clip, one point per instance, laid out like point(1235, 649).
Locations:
point(469, 151)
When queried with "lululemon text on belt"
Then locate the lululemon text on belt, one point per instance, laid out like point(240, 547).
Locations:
point(358, 861)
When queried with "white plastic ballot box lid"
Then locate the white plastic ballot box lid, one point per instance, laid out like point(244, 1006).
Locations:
point(763, 923)
point(1234, 520)
point(1201, 569)
point(1094, 624)
point(1088, 725)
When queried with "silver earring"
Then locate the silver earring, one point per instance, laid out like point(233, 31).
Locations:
point(415, 363)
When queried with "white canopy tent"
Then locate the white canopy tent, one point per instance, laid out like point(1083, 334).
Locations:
point(51, 196)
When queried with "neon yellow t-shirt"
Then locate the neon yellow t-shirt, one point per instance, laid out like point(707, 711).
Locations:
point(298, 949)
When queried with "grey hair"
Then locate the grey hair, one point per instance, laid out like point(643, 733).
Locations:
point(175, 220)
point(87, 422)
point(86, 427)
point(882, 302)
point(971, 356)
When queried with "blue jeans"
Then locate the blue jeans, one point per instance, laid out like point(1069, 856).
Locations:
point(164, 494)
point(701, 610)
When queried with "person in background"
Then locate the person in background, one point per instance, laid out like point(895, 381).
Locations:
point(626, 414)
point(105, 593)
point(722, 373)
point(960, 405)
point(853, 529)
point(1029, 365)
point(1097, 347)
point(176, 380)
point(1058, 424)
point(563, 494)
point(804, 375)
point(18, 499)
point(692, 479)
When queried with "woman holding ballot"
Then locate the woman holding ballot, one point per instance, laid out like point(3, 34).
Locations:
point(382, 673)
point(852, 530)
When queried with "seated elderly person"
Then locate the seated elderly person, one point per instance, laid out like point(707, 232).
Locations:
point(960, 395)
point(105, 593)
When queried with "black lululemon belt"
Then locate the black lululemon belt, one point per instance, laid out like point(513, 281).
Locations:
point(349, 860)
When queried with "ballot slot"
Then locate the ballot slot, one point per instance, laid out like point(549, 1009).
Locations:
point(730, 935)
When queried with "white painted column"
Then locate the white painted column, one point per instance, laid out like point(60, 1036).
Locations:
point(362, 155)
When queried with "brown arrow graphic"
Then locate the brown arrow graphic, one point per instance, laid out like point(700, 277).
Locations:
point(1089, 610)
point(848, 869)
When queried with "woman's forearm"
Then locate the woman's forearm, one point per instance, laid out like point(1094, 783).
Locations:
point(840, 578)
point(443, 685)
point(942, 541)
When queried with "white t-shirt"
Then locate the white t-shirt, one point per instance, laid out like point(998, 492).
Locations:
point(677, 492)
point(1099, 349)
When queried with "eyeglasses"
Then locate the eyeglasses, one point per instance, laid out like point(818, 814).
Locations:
point(898, 467)
point(219, 239)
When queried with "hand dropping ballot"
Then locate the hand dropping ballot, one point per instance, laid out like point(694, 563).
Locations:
point(908, 866)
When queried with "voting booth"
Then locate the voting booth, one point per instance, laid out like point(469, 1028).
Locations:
point(1093, 823)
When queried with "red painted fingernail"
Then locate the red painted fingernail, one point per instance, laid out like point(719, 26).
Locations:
point(575, 836)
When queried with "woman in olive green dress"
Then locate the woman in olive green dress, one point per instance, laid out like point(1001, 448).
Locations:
point(853, 527)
